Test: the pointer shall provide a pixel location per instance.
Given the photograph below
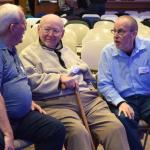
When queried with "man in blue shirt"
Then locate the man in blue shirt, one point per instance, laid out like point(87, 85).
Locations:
point(18, 118)
point(123, 77)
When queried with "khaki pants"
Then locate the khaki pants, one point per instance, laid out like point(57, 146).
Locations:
point(105, 127)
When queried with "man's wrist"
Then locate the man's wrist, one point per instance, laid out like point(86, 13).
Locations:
point(118, 105)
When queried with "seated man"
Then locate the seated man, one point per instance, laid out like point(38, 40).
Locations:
point(123, 77)
point(54, 71)
point(18, 115)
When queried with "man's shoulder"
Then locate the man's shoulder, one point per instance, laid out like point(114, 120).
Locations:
point(143, 43)
point(3, 52)
point(3, 48)
point(30, 49)
point(109, 48)
point(143, 39)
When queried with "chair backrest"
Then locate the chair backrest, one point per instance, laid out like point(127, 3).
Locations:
point(98, 34)
point(91, 19)
point(90, 54)
point(30, 36)
point(109, 17)
point(92, 44)
point(131, 12)
point(144, 31)
point(106, 24)
point(79, 29)
point(70, 39)
point(32, 21)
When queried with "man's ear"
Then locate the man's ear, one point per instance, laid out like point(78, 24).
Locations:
point(135, 33)
point(63, 33)
point(12, 28)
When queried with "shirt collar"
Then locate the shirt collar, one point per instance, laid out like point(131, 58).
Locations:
point(4, 47)
point(139, 46)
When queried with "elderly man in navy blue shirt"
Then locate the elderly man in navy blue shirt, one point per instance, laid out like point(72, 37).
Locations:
point(18, 118)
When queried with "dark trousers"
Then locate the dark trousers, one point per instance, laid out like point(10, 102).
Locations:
point(46, 132)
point(141, 106)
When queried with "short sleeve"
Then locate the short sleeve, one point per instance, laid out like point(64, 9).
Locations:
point(1, 67)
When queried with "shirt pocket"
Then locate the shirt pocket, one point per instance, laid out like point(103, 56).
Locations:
point(144, 75)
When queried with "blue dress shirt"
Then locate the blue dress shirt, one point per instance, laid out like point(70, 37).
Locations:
point(120, 75)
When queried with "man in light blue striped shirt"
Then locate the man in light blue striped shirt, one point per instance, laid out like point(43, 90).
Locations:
point(124, 77)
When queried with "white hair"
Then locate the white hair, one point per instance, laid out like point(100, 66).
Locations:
point(9, 13)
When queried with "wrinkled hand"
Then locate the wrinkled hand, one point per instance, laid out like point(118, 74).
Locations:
point(127, 110)
point(37, 107)
point(9, 142)
point(67, 82)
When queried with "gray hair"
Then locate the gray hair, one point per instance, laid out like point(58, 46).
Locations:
point(9, 13)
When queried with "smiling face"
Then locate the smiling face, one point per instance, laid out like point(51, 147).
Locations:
point(51, 30)
point(125, 31)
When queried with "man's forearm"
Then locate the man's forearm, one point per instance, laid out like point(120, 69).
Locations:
point(4, 122)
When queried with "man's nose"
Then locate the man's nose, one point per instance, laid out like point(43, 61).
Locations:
point(50, 32)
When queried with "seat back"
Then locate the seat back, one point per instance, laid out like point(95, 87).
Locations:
point(92, 44)
point(80, 30)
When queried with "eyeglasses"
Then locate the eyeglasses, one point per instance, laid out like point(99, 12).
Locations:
point(120, 32)
point(55, 31)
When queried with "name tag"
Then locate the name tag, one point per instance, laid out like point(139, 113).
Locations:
point(144, 70)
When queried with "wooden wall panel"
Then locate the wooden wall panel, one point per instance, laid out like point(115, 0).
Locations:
point(128, 5)
point(6, 1)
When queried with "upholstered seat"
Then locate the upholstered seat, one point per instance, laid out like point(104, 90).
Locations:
point(143, 127)
point(21, 144)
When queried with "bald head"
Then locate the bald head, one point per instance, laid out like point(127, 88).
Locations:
point(52, 19)
point(128, 21)
point(51, 30)
point(125, 32)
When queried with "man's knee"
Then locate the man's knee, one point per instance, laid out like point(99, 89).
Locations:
point(58, 128)
point(77, 131)
point(128, 123)
point(60, 134)
point(116, 127)
point(77, 137)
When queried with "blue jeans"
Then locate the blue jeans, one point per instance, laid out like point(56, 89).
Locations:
point(141, 107)
point(44, 131)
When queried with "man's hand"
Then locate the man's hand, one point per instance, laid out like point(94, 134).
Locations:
point(67, 82)
point(9, 142)
point(37, 107)
point(127, 110)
